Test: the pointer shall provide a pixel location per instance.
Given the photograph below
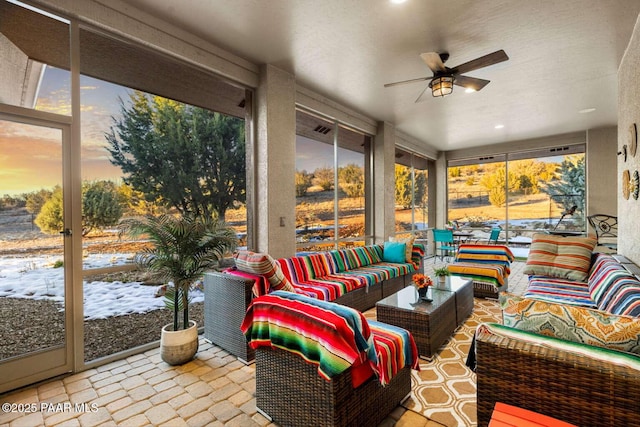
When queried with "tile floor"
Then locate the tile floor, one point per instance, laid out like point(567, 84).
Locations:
point(215, 389)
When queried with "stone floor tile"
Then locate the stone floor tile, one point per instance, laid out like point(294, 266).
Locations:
point(96, 418)
point(166, 395)
point(194, 407)
point(131, 411)
point(224, 411)
point(176, 422)
point(202, 419)
point(161, 413)
point(181, 400)
point(242, 420)
point(132, 382)
point(145, 391)
point(106, 399)
point(83, 396)
point(199, 389)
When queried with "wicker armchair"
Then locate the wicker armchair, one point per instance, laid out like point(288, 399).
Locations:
point(556, 380)
point(291, 392)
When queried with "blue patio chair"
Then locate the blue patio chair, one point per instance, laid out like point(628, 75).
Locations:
point(493, 237)
point(444, 242)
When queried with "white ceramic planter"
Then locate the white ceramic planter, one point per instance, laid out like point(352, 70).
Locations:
point(178, 347)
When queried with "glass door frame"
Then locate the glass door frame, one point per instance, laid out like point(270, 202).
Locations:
point(48, 363)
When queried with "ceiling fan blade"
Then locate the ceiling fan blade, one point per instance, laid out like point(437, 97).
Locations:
point(421, 97)
point(483, 61)
point(421, 79)
point(470, 82)
point(433, 61)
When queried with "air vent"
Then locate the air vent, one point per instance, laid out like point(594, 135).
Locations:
point(558, 149)
point(485, 158)
point(322, 129)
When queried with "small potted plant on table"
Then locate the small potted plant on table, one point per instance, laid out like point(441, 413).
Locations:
point(441, 273)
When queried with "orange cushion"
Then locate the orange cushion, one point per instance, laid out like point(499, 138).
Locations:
point(511, 416)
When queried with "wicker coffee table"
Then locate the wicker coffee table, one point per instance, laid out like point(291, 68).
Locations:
point(430, 323)
point(462, 287)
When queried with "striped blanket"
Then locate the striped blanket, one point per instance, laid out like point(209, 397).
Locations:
point(486, 254)
point(329, 335)
point(487, 272)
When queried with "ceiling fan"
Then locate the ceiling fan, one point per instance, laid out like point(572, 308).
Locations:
point(444, 78)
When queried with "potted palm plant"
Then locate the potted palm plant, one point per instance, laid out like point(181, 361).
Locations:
point(182, 249)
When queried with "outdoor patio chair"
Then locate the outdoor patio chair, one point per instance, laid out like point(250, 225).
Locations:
point(606, 229)
point(444, 242)
point(493, 237)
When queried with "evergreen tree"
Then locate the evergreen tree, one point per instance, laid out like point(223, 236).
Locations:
point(101, 206)
point(35, 200)
point(351, 180)
point(569, 188)
point(303, 182)
point(403, 186)
point(495, 183)
point(50, 219)
point(184, 157)
point(324, 178)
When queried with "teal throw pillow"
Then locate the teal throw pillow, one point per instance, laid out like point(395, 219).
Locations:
point(394, 252)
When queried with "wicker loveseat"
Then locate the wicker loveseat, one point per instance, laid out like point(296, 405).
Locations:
point(570, 347)
point(356, 277)
point(323, 364)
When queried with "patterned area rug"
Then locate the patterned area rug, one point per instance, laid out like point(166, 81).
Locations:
point(445, 389)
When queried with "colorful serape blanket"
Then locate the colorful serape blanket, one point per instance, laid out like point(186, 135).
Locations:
point(486, 271)
point(332, 336)
point(260, 286)
point(486, 254)
point(395, 349)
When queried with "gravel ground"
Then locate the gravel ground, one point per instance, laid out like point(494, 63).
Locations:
point(29, 325)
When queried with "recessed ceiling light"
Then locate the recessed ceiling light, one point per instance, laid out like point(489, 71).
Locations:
point(398, 1)
point(498, 126)
point(469, 90)
point(587, 110)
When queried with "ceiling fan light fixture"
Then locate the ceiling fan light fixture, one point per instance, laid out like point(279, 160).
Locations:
point(441, 86)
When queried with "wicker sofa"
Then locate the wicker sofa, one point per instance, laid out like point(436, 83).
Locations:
point(356, 277)
point(347, 371)
point(570, 347)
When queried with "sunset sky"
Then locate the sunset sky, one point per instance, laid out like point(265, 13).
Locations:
point(31, 156)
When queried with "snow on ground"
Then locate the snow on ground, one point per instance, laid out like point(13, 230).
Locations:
point(38, 278)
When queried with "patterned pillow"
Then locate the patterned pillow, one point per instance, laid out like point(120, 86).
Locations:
point(264, 265)
point(560, 257)
point(571, 323)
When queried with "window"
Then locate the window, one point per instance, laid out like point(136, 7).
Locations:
point(411, 194)
point(121, 80)
point(332, 170)
point(523, 193)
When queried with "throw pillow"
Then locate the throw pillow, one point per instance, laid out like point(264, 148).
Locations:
point(408, 250)
point(264, 265)
point(571, 323)
point(560, 257)
point(394, 252)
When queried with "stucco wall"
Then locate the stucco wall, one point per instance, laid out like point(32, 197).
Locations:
point(628, 113)
point(602, 171)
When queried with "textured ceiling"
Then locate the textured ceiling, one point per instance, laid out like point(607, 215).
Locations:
point(564, 57)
